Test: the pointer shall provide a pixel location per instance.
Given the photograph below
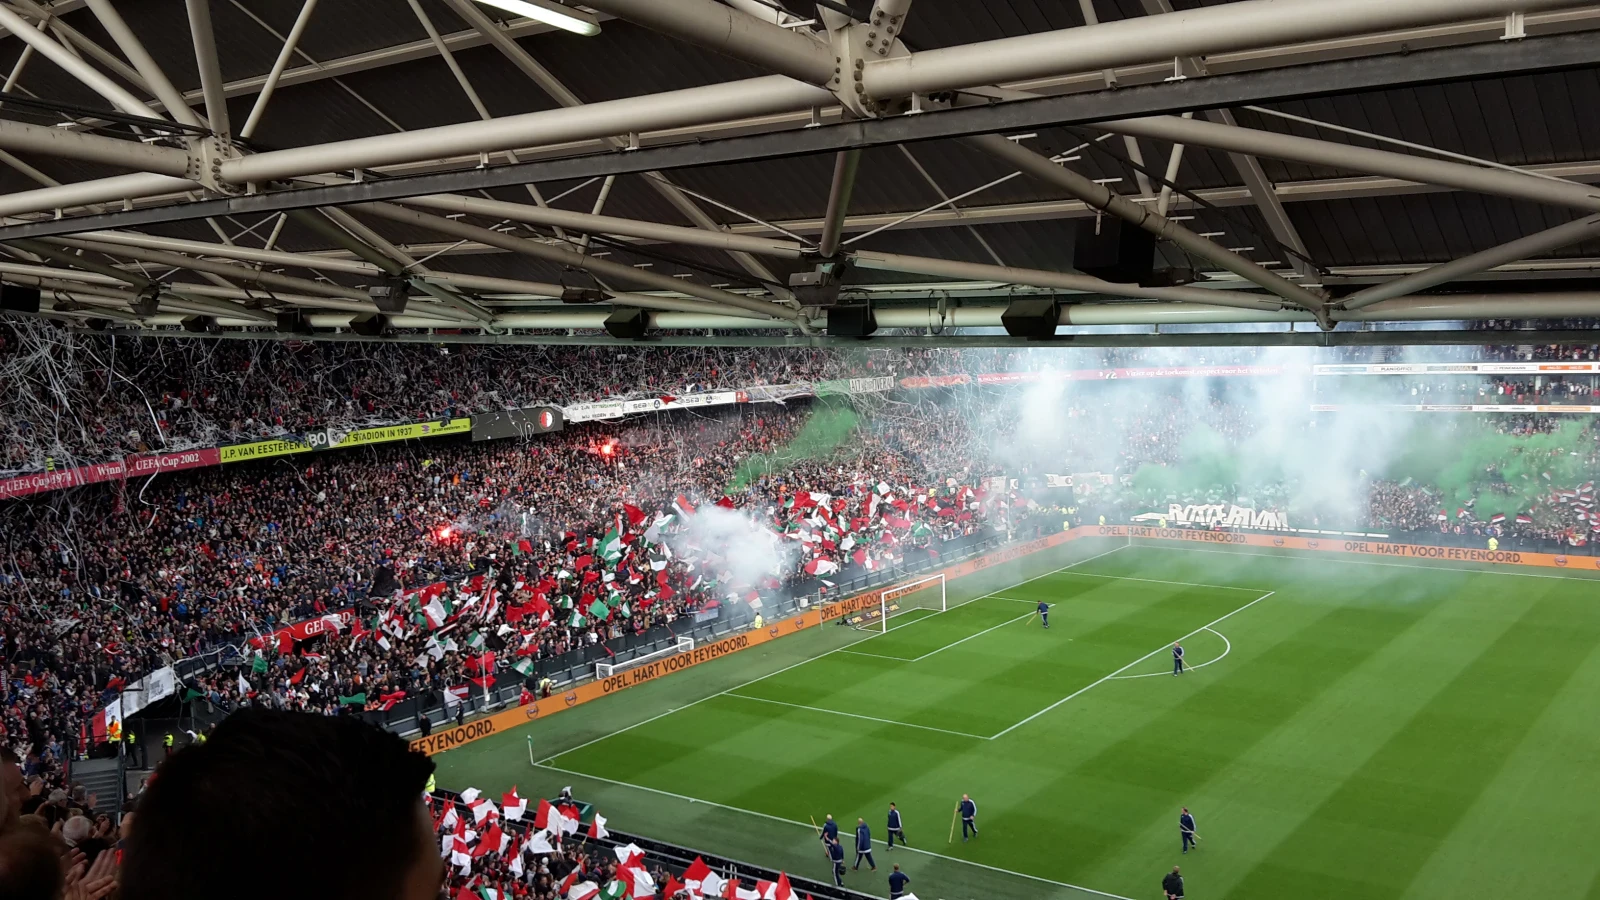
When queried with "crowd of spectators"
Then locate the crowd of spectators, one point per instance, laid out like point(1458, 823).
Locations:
point(105, 584)
point(90, 398)
point(102, 585)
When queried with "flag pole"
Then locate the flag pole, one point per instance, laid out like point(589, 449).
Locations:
point(952, 838)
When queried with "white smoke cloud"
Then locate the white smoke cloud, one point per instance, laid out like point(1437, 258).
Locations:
point(732, 547)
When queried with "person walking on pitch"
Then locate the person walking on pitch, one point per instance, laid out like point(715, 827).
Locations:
point(836, 853)
point(897, 883)
point(895, 829)
point(1044, 613)
point(1177, 658)
point(864, 845)
point(830, 829)
point(1172, 885)
point(969, 817)
point(1186, 826)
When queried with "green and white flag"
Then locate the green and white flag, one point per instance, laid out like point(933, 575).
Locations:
point(611, 546)
point(475, 640)
point(577, 620)
point(524, 666)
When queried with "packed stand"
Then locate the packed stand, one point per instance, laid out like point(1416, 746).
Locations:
point(588, 534)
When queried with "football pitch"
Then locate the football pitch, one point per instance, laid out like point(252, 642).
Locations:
point(1350, 728)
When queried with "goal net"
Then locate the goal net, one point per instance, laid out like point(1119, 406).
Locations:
point(606, 670)
point(922, 594)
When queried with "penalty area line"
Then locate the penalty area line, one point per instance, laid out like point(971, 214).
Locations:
point(837, 712)
point(1105, 678)
point(807, 826)
point(811, 659)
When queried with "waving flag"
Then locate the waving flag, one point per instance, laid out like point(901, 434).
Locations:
point(513, 806)
point(597, 828)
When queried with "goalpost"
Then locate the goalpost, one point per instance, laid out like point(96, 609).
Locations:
point(924, 593)
point(606, 670)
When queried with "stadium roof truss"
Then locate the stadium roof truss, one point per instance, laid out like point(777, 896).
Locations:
point(402, 169)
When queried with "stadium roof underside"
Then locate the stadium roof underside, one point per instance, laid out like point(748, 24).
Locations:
point(404, 169)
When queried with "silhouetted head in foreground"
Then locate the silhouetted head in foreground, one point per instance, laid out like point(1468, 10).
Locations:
point(280, 804)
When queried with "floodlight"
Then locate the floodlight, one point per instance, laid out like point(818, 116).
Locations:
point(562, 17)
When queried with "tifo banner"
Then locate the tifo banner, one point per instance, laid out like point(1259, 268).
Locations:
point(1225, 515)
point(1493, 368)
point(931, 381)
point(132, 467)
point(406, 432)
point(1460, 408)
point(615, 409)
point(1365, 548)
point(158, 685)
point(261, 450)
point(1079, 479)
point(855, 386)
point(309, 628)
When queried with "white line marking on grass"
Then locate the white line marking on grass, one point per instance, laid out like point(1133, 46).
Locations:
point(873, 655)
point(1227, 647)
point(1106, 678)
point(813, 659)
point(807, 826)
point(1220, 587)
point(969, 637)
point(1365, 562)
point(836, 712)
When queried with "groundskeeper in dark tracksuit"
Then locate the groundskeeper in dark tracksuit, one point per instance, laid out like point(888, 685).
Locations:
point(1172, 885)
point(895, 829)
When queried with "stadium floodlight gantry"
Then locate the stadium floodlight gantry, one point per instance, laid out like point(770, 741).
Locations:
point(776, 171)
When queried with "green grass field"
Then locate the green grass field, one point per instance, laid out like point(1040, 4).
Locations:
point(1352, 729)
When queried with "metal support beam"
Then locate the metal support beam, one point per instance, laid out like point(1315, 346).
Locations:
point(134, 50)
point(709, 24)
point(1360, 159)
point(845, 165)
point(1534, 54)
point(59, 143)
point(473, 15)
point(84, 193)
point(1265, 195)
point(285, 53)
point(77, 261)
point(269, 280)
point(1103, 198)
point(1195, 32)
point(91, 77)
point(969, 271)
point(313, 221)
point(1249, 168)
point(1482, 261)
point(205, 56)
point(564, 257)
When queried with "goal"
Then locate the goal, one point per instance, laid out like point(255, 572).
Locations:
point(924, 593)
point(606, 670)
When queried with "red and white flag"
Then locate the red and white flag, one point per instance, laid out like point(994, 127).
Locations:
point(513, 806)
point(597, 828)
